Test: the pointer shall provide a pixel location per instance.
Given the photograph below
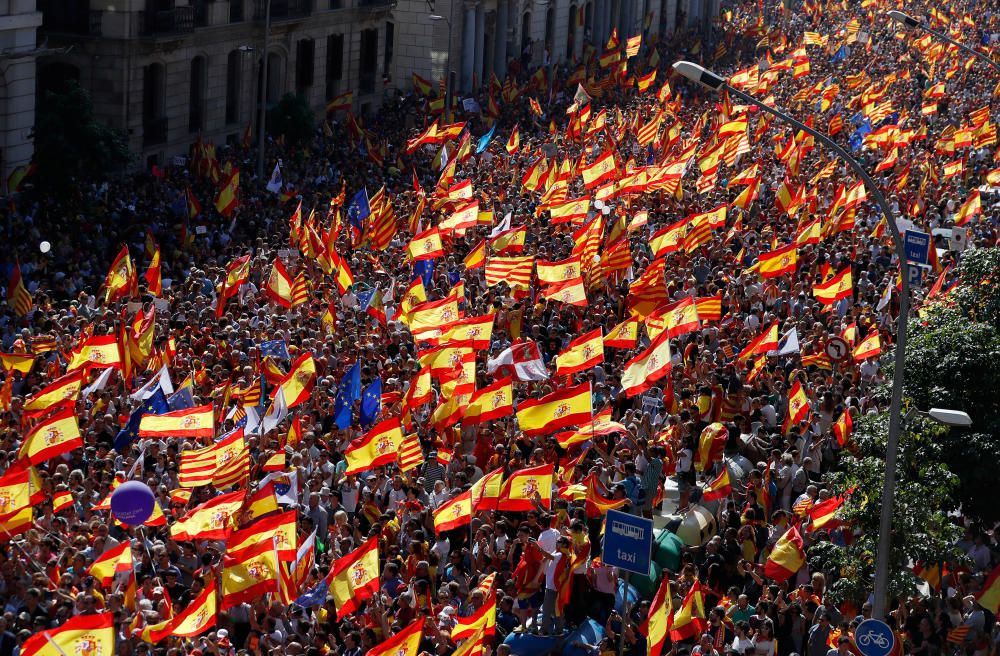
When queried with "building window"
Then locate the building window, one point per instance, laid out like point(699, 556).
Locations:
point(305, 56)
point(154, 120)
point(334, 64)
point(234, 73)
point(390, 32)
point(196, 99)
point(368, 62)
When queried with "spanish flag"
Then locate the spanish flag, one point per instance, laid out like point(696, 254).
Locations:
point(121, 279)
point(711, 446)
point(642, 371)
point(747, 196)
point(798, 405)
point(595, 503)
point(514, 141)
point(570, 292)
point(989, 595)
point(17, 362)
point(484, 617)
point(766, 341)
point(192, 422)
point(453, 513)
point(601, 170)
point(249, 574)
point(787, 557)
point(624, 335)
point(569, 406)
point(279, 285)
point(298, 383)
point(112, 561)
point(404, 643)
point(969, 209)
point(476, 258)
point(870, 347)
point(519, 491)
point(15, 491)
point(98, 352)
point(84, 635)
point(425, 246)
point(279, 530)
point(680, 318)
point(842, 428)
point(492, 402)
point(486, 491)
point(951, 169)
point(658, 619)
point(228, 197)
point(778, 262)
point(55, 435)
point(689, 620)
point(822, 514)
point(376, 448)
point(839, 287)
point(582, 353)
point(199, 616)
point(64, 390)
point(212, 520)
point(354, 578)
point(720, 487)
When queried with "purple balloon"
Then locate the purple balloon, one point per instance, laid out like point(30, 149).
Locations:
point(132, 503)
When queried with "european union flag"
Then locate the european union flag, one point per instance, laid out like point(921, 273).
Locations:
point(359, 209)
point(315, 597)
point(365, 298)
point(275, 348)
point(424, 269)
point(348, 392)
point(156, 404)
point(840, 55)
point(484, 141)
point(182, 399)
point(371, 403)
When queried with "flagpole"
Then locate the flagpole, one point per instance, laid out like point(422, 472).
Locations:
point(624, 578)
point(715, 82)
point(52, 643)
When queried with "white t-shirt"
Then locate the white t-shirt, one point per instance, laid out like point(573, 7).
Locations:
point(550, 571)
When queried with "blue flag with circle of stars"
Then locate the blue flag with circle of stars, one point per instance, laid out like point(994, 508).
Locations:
point(156, 404)
point(371, 403)
point(359, 209)
point(348, 392)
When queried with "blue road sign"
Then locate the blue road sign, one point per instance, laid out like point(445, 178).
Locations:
point(628, 541)
point(914, 274)
point(917, 245)
point(874, 638)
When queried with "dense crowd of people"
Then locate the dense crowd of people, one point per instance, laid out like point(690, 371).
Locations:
point(656, 446)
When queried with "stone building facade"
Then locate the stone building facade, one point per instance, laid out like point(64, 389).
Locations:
point(18, 23)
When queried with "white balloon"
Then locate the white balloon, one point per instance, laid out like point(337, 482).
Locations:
point(45, 247)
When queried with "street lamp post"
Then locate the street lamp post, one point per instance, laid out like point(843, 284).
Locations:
point(447, 64)
point(263, 92)
point(715, 82)
point(910, 21)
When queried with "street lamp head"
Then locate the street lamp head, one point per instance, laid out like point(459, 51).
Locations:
point(950, 417)
point(699, 74)
point(905, 19)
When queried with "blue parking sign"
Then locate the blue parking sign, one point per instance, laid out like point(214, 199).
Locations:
point(628, 541)
point(874, 638)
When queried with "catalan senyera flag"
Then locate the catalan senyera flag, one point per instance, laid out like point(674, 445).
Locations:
point(376, 448)
point(191, 422)
point(17, 294)
point(652, 364)
point(657, 624)
point(473, 646)
point(582, 353)
point(719, 487)
point(453, 513)
point(518, 492)
point(563, 408)
point(112, 561)
point(212, 520)
point(55, 435)
point(778, 262)
point(515, 271)
point(354, 578)
point(62, 391)
point(249, 574)
point(689, 620)
point(199, 616)
point(870, 347)
point(279, 530)
point(215, 464)
point(298, 382)
point(82, 634)
point(839, 287)
point(404, 643)
point(709, 307)
point(787, 557)
point(492, 402)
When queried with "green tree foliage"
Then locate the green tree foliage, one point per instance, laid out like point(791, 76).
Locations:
point(70, 143)
point(292, 118)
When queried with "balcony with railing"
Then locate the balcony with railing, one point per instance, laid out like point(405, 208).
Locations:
point(70, 17)
point(178, 20)
point(283, 9)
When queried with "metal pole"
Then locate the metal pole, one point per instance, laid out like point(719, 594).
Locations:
point(713, 81)
point(447, 74)
point(909, 21)
point(263, 92)
point(621, 634)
